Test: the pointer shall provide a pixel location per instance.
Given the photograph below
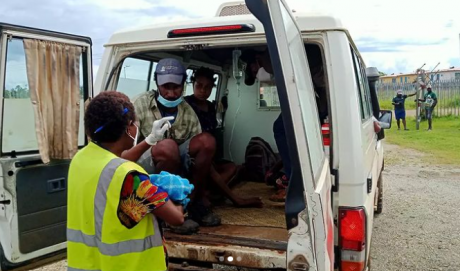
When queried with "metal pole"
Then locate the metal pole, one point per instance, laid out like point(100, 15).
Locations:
point(428, 75)
point(420, 81)
point(417, 105)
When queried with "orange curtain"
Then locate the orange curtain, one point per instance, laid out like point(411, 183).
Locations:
point(53, 72)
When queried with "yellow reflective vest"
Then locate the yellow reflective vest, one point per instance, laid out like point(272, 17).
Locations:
point(96, 239)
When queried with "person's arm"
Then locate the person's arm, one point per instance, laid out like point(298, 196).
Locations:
point(435, 102)
point(135, 152)
point(170, 213)
point(413, 94)
point(140, 197)
point(393, 102)
point(193, 123)
point(159, 128)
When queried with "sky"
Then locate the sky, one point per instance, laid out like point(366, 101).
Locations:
point(392, 35)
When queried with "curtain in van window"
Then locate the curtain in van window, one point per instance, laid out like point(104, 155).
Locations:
point(53, 76)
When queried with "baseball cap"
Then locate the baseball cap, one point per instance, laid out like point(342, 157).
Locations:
point(170, 70)
point(399, 92)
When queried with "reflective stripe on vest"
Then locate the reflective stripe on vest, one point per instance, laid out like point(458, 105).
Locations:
point(100, 202)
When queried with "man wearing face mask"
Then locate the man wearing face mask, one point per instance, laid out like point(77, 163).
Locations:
point(183, 149)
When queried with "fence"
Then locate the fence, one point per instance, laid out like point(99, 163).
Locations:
point(448, 93)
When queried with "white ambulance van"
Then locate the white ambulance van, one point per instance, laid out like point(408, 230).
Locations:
point(334, 190)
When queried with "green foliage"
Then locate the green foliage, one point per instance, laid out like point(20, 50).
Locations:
point(17, 92)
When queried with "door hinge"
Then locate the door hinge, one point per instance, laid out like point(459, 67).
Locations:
point(335, 187)
point(5, 202)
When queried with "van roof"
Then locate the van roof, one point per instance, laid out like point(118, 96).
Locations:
point(307, 22)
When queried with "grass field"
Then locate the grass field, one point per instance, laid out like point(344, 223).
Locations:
point(442, 143)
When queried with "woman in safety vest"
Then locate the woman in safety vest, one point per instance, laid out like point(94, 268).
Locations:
point(112, 204)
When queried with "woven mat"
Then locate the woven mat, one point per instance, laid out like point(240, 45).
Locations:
point(271, 215)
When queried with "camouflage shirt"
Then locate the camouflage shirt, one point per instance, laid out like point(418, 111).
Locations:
point(186, 124)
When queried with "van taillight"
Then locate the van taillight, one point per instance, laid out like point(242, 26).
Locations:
point(352, 239)
point(211, 30)
point(326, 134)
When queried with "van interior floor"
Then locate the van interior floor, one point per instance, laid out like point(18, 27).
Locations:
point(271, 215)
point(264, 228)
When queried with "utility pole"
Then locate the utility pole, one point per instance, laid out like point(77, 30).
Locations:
point(420, 82)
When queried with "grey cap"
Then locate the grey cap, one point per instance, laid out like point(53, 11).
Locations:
point(170, 70)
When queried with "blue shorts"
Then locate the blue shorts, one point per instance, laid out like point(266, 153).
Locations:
point(429, 113)
point(400, 114)
point(146, 160)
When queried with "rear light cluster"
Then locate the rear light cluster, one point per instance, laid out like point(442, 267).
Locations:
point(352, 228)
point(211, 30)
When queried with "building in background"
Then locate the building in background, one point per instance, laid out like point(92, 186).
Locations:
point(439, 75)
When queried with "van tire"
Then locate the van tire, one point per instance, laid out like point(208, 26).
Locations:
point(379, 208)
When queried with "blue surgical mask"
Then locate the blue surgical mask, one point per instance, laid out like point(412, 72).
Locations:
point(168, 103)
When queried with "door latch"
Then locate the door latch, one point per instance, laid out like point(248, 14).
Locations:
point(5, 202)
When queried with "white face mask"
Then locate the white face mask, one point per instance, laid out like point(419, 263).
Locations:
point(136, 137)
point(263, 75)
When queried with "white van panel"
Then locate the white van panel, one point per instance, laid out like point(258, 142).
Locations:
point(248, 117)
point(350, 155)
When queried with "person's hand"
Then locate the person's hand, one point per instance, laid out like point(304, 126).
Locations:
point(159, 128)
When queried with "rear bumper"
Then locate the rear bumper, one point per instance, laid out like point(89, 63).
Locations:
point(234, 255)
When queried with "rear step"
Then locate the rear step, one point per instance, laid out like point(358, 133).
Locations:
point(185, 267)
point(244, 246)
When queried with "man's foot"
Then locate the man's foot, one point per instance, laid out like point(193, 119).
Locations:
point(189, 227)
point(399, 129)
point(406, 129)
point(282, 182)
point(210, 220)
point(203, 215)
point(280, 196)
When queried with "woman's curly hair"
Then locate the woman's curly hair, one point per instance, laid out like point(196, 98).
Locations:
point(108, 115)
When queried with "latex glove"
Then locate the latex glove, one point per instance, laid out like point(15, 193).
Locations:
point(159, 128)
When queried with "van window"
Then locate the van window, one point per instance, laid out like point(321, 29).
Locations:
point(363, 87)
point(18, 127)
point(134, 76)
point(268, 96)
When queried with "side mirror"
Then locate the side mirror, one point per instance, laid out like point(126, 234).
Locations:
point(386, 117)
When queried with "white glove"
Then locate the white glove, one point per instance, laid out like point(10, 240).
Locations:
point(159, 128)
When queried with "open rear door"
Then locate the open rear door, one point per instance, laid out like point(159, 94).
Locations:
point(308, 203)
point(33, 195)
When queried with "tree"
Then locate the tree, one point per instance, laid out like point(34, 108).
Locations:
point(17, 92)
point(382, 73)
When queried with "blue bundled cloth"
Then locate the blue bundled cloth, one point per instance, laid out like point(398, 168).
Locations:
point(177, 187)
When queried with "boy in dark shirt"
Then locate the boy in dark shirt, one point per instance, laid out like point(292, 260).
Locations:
point(400, 110)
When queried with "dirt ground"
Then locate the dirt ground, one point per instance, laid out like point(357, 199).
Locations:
point(419, 228)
